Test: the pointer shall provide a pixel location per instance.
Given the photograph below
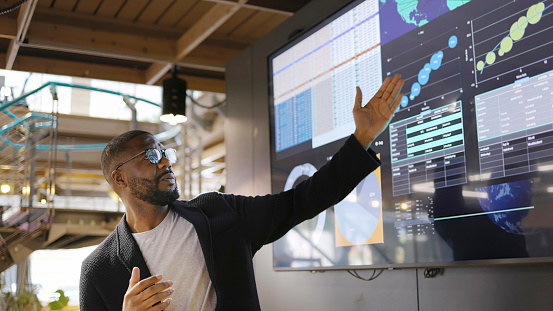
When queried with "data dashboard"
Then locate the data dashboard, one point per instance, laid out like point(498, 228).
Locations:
point(467, 161)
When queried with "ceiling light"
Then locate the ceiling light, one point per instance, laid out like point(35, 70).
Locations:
point(173, 109)
point(5, 188)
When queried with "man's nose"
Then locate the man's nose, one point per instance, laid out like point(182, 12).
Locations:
point(164, 163)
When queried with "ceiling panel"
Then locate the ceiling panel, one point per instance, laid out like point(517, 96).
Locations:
point(177, 11)
point(271, 23)
point(252, 23)
point(65, 5)
point(87, 6)
point(191, 16)
point(132, 9)
point(235, 21)
point(110, 8)
point(284, 5)
point(45, 3)
point(139, 40)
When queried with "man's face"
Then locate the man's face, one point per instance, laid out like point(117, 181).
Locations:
point(152, 183)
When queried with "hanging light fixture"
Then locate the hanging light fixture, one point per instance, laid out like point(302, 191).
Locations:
point(5, 188)
point(173, 110)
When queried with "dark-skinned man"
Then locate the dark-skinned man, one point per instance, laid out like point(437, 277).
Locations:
point(167, 254)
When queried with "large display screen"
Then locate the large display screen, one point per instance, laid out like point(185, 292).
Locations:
point(467, 161)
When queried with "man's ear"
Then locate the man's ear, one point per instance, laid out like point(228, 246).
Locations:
point(118, 179)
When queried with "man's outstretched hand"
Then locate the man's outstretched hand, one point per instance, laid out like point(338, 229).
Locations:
point(373, 118)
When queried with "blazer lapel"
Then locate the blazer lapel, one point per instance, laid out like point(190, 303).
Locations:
point(199, 220)
point(128, 250)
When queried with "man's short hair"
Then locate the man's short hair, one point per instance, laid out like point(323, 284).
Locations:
point(115, 147)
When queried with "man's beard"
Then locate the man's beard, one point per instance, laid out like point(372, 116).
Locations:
point(148, 191)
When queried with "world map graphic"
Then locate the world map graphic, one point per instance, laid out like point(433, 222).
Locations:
point(398, 17)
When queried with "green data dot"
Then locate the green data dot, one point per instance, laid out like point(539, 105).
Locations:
point(522, 22)
point(506, 45)
point(516, 32)
point(490, 58)
point(480, 65)
point(534, 13)
point(501, 53)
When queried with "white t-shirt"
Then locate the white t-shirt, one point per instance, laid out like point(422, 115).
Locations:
point(173, 250)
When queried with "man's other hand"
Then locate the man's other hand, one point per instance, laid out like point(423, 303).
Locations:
point(143, 295)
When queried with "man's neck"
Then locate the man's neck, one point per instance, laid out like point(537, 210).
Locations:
point(145, 217)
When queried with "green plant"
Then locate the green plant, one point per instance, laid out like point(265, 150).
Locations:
point(60, 302)
point(24, 301)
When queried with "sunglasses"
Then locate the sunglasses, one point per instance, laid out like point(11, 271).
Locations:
point(154, 156)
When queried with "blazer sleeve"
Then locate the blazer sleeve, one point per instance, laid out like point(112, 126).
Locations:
point(89, 297)
point(267, 218)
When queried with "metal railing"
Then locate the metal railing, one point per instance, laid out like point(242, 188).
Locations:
point(28, 155)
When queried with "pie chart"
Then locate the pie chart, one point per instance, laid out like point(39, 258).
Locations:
point(359, 215)
point(313, 228)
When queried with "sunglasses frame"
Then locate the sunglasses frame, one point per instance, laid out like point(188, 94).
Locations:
point(153, 161)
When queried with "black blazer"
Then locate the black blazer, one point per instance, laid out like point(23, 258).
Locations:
point(231, 229)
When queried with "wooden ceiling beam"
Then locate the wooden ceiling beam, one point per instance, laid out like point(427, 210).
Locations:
point(23, 22)
point(201, 63)
point(203, 28)
point(156, 71)
point(105, 72)
point(8, 27)
point(103, 40)
point(253, 7)
point(108, 44)
point(99, 22)
point(192, 38)
point(77, 69)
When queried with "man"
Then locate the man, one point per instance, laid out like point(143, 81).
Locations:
point(201, 250)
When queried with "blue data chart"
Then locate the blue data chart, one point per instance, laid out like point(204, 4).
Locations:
point(434, 74)
point(284, 125)
point(293, 121)
point(330, 63)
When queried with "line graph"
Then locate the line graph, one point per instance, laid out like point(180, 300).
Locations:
point(516, 33)
point(430, 69)
point(509, 44)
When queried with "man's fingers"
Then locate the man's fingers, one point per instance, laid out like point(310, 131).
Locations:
point(390, 87)
point(135, 277)
point(158, 297)
point(396, 104)
point(383, 87)
point(142, 285)
point(397, 88)
point(159, 290)
point(358, 97)
point(161, 306)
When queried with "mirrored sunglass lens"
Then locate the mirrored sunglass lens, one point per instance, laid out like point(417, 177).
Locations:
point(153, 155)
point(171, 155)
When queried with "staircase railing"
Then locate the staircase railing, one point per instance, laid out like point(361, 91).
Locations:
point(26, 175)
point(28, 153)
